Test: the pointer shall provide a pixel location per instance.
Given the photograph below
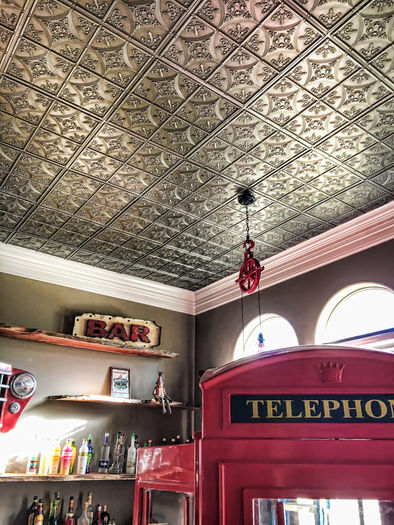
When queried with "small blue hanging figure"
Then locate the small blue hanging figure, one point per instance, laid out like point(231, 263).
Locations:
point(261, 341)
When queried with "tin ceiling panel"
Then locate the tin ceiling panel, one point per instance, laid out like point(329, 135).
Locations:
point(127, 126)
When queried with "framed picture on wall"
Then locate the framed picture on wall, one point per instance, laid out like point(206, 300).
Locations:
point(120, 382)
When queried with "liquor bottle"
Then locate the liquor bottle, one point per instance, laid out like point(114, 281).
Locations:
point(90, 454)
point(39, 517)
point(164, 442)
point(65, 462)
point(53, 514)
point(90, 508)
point(98, 516)
point(145, 444)
point(83, 518)
point(117, 465)
point(70, 518)
point(149, 442)
point(54, 460)
point(73, 455)
point(104, 456)
point(59, 504)
point(32, 511)
point(131, 457)
point(178, 439)
point(105, 515)
point(173, 441)
point(32, 464)
point(82, 458)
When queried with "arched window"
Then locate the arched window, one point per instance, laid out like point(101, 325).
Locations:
point(358, 310)
point(277, 332)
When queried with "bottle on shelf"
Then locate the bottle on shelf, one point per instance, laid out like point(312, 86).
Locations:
point(59, 504)
point(39, 516)
point(104, 456)
point(105, 516)
point(82, 458)
point(178, 439)
point(118, 455)
point(54, 460)
point(149, 442)
point(83, 518)
point(65, 462)
point(98, 521)
point(53, 514)
point(131, 457)
point(70, 518)
point(32, 464)
point(73, 455)
point(164, 442)
point(90, 454)
point(173, 441)
point(90, 508)
point(32, 511)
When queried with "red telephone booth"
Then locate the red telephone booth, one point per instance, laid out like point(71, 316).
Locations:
point(301, 436)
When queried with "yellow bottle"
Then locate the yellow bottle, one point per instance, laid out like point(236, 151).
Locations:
point(54, 460)
point(73, 456)
point(39, 519)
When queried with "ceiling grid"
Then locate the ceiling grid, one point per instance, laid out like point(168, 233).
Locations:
point(126, 128)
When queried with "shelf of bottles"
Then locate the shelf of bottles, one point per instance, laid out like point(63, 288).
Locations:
point(70, 477)
point(97, 398)
point(55, 338)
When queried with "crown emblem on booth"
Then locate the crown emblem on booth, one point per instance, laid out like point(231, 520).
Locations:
point(331, 372)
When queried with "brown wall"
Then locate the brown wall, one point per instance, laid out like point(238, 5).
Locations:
point(299, 300)
point(62, 370)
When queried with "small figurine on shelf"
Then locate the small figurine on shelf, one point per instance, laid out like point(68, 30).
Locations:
point(160, 395)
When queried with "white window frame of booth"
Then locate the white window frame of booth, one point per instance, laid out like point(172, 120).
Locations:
point(379, 338)
point(254, 326)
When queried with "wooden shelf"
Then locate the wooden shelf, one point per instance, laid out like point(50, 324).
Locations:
point(54, 338)
point(4, 478)
point(93, 398)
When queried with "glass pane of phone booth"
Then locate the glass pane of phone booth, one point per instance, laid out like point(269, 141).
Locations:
point(322, 512)
point(170, 508)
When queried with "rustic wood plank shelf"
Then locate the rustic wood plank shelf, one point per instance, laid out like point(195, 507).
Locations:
point(54, 338)
point(96, 398)
point(4, 478)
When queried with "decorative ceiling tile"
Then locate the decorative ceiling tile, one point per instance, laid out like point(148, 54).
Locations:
point(176, 220)
point(222, 241)
point(9, 220)
point(204, 230)
point(86, 257)
point(335, 180)
point(241, 75)
point(77, 225)
point(226, 216)
point(13, 205)
point(361, 194)
point(96, 7)
point(315, 122)
point(197, 205)
point(90, 91)
point(386, 180)
point(245, 131)
point(356, 94)
point(158, 232)
point(273, 215)
point(282, 37)
point(153, 159)
point(68, 122)
point(115, 143)
point(98, 246)
point(199, 49)
point(14, 131)
point(165, 86)
point(96, 165)
point(370, 30)
point(104, 204)
point(277, 149)
point(278, 185)
point(178, 135)
point(330, 209)
point(57, 249)
point(236, 19)
point(167, 193)
point(189, 176)
point(216, 154)
point(303, 197)
point(48, 216)
point(113, 58)
point(30, 177)
point(25, 240)
point(218, 189)
point(71, 192)
point(308, 166)
point(113, 237)
point(185, 242)
point(130, 224)
point(282, 102)
point(384, 62)
point(21, 101)
point(7, 156)
point(276, 236)
point(380, 121)
point(148, 22)
point(378, 202)
point(301, 224)
point(372, 160)
point(206, 109)
point(138, 271)
point(5, 37)
point(247, 170)
point(132, 179)
point(60, 29)
point(139, 116)
point(147, 210)
point(323, 69)
point(347, 142)
point(10, 12)
point(319, 229)
point(36, 65)
point(41, 230)
point(328, 12)
point(52, 147)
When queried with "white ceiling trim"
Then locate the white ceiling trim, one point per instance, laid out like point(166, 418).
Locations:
point(354, 236)
point(47, 268)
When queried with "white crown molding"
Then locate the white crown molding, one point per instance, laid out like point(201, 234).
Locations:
point(361, 233)
point(354, 236)
point(47, 268)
